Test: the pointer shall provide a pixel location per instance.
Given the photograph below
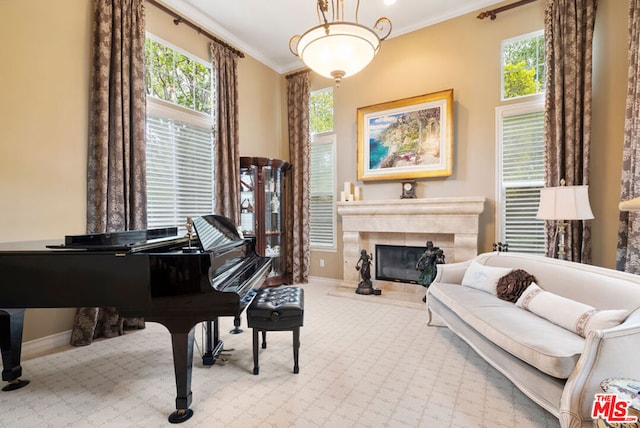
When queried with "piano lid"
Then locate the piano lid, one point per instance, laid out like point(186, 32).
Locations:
point(215, 231)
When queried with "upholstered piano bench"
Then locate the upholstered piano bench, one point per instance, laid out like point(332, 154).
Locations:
point(276, 309)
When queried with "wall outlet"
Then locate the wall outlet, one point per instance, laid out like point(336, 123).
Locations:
point(321, 262)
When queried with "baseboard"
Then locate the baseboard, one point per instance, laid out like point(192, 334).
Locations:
point(45, 345)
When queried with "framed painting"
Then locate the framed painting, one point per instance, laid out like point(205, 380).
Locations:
point(408, 138)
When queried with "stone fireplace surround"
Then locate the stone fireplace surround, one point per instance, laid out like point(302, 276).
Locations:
point(452, 224)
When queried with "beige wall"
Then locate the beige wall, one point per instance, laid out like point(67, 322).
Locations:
point(464, 54)
point(46, 52)
point(609, 99)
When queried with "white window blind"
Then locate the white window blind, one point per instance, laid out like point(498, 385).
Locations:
point(179, 171)
point(521, 176)
point(322, 178)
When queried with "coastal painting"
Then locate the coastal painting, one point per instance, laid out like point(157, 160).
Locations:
point(408, 138)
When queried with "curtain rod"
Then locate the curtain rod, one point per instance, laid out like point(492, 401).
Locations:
point(297, 73)
point(177, 19)
point(493, 12)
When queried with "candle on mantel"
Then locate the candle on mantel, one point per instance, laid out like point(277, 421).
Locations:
point(342, 197)
point(347, 188)
point(357, 194)
point(350, 196)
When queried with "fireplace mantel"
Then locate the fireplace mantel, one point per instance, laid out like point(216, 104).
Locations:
point(451, 223)
point(469, 205)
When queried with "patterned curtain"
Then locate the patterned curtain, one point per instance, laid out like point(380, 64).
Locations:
point(628, 252)
point(300, 157)
point(227, 141)
point(116, 175)
point(568, 26)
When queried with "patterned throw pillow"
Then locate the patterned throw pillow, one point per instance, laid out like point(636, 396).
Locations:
point(513, 284)
point(569, 314)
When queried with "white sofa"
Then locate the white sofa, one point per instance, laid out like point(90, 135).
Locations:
point(557, 368)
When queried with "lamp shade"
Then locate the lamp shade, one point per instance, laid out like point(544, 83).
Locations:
point(630, 205)
point(338, 49)
point(564, 203)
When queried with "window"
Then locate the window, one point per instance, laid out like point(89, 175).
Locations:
point(322, 170)
point(523, 65)
point(321, 111)
point(177, 77)
point(180, 176)
point(521, 176)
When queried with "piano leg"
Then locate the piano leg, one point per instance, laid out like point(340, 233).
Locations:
point(236, 325)
point(182, 344)
point(213, 344)
point(11, 321)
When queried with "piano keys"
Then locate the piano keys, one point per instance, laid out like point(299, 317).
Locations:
point(178, 281)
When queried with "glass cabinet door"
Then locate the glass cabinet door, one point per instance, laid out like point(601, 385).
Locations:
point(247, 200)
point(273, 219)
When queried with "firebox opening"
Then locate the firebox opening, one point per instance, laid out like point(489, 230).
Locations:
point(398, 263)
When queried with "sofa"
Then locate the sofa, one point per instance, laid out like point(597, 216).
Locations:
point(537, 346)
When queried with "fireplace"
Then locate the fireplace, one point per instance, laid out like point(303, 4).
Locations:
point(450, 223)
point(397, 263)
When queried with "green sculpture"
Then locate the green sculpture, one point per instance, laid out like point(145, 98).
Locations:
point(427, 264)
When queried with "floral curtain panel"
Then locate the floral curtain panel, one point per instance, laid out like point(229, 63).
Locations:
point(116, 176)
point(568, 27)
point(628, 252)
point(300, 157)
point(226, 137)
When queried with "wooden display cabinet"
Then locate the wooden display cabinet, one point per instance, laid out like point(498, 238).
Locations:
point(264, 199)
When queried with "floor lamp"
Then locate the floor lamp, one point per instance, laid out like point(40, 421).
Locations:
point(561, 204)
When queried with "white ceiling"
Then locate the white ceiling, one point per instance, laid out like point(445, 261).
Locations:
point(263, 28)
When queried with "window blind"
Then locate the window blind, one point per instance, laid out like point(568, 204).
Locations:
point(322, 181)
point(522, 177)
point(180, 175)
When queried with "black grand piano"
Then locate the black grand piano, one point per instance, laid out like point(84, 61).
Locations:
point(155, 274)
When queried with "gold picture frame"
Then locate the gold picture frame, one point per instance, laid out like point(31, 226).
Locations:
point(406, 139)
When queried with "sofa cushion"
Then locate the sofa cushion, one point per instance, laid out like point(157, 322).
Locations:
point(536, 341)
point(511, 286)
point(575, 316)
point(483, 277)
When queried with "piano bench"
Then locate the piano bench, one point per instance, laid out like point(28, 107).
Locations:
point(276, 309)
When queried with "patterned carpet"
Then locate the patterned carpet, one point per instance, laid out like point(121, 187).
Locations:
point(363, 363)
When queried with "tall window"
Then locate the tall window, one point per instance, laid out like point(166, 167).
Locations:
point(322, 169)
point(523, 65)
point(521, 176)
point(180, 176)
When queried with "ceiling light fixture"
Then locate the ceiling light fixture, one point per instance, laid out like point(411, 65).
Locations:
point(338, 49)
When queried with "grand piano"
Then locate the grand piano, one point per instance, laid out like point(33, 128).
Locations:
point(178, 281)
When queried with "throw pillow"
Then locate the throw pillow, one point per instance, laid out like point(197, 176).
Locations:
point(513, 284)
point(575, 316)
point(483, 277)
